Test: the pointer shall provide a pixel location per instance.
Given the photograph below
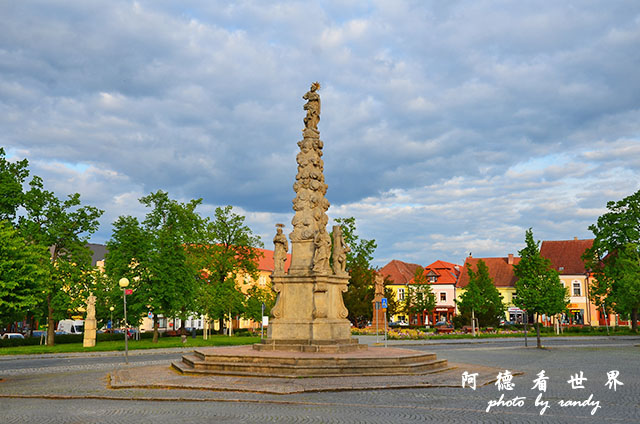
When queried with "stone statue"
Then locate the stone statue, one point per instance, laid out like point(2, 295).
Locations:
point(321, 255)
point(379, 285)
point(312, 107)
point(340, 250)
point(91, 307)
point(281, 246)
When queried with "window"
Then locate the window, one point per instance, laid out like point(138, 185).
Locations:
point(432, 279)
point(576, 288)
point(401, 294)
point(443, 297)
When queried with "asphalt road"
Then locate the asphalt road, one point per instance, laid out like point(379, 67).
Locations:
point(62, 389)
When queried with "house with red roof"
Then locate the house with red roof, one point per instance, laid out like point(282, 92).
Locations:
point(566, 258)
point(442, 277)
point(502, 273)
point(398, 274)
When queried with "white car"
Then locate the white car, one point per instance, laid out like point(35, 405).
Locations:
point(12, 336)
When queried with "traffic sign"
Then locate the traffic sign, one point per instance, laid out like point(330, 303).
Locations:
point(383, 302)
point(128, 291)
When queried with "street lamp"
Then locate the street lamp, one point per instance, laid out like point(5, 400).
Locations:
point(124, 283)
point(111, 308)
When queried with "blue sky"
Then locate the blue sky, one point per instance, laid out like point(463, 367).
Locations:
point(449, 127)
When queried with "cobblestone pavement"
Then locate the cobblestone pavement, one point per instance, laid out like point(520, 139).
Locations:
point(82, 396)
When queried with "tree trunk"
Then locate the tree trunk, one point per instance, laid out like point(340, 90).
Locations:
point(538, 333)
point(634, 320)
point(51, 331)
point(156, 324)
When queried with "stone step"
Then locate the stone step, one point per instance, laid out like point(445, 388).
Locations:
point(203, 356)
point(191, 365)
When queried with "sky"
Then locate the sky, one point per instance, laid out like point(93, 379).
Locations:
point(449, 127)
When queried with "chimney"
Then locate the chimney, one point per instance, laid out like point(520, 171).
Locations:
point(510, 259)
point(575, 238)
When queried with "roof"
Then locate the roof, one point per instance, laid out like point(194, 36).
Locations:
point(265, 263)
point(499, 270)
point(447, 272)
point(98, 252)
point(399, 272)
point(566, 255)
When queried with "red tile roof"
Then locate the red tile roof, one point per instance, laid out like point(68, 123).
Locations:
point(399, 272)
point(499, 270)
point(447, 272)
point(566, 254)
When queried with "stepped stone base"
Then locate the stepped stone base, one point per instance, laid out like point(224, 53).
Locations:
point(324, 346)
point(247, 361)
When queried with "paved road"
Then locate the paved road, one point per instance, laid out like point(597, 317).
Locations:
point(89, 400)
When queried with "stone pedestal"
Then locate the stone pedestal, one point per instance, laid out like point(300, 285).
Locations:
point(309, 314)
point(89, 339)
point(378, 320)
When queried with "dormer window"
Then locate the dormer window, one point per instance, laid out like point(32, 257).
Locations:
point(560, 268)
point(432, 279)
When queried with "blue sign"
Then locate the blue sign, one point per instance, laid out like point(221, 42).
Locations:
point(109, 324)
point(383, 303)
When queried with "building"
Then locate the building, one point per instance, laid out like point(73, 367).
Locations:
point(566, 258)
point(443, 277)
point(502, 273)
point(398, 274)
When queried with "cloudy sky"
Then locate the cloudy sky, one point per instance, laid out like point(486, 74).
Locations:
point(450, 127)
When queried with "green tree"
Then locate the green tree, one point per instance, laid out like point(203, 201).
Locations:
point(481, 299)
point(256, 296)
point(539, 289)
point(12, 178)
point(359, 296)
point(64, 227)
point(393, 306)
point(420, 298)
point(23, 271)
point(228, 251)
point(614, 257)
point(153, 255)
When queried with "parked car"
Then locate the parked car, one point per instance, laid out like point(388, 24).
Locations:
point(12, 336)
point(70, 326)
point(398, 324)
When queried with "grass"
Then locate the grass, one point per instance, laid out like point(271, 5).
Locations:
point(163, 342)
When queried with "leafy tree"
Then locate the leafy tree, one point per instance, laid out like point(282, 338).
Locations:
point(23, 270)
point(481, 298)
point(228, 250)
point(64, 227)
point(12, 178)
point(359, 295)
point(393, 306)
point(539, 288)
point(614, 257)
point(153, 256)
point(256, 296)
point(420, 298)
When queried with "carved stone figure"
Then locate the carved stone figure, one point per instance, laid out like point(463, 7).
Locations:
point(312, 107)
point(91, 307)
point(322, 253)
point(340, 250)
point(280, 249)
point(379, 285)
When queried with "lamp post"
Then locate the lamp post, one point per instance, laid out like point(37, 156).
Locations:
point(124, 283)
point(111, 308)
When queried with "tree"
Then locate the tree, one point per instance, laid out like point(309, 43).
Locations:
point(153, 255)
point(64, 227)
point(420, 298)
point(256, 297)
point(12, 178)
point(228, 250)
point(393, 306)
point(359, 295)
point(614, 257)
point(481, 298)
point(23, 270)
point(539, 289)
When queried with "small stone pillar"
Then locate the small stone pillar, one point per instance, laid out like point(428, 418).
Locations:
point(89, 339)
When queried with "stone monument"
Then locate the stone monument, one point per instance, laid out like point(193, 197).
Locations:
point(309, 334)
point(309, 314)
point(89, 339)
point(378, 320)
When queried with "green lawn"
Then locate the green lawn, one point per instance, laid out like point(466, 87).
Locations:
point(163, 342)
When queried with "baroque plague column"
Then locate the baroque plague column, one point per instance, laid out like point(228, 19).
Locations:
point(309, 310)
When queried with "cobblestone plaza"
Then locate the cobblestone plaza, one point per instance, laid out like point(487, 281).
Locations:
point(79, 393)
